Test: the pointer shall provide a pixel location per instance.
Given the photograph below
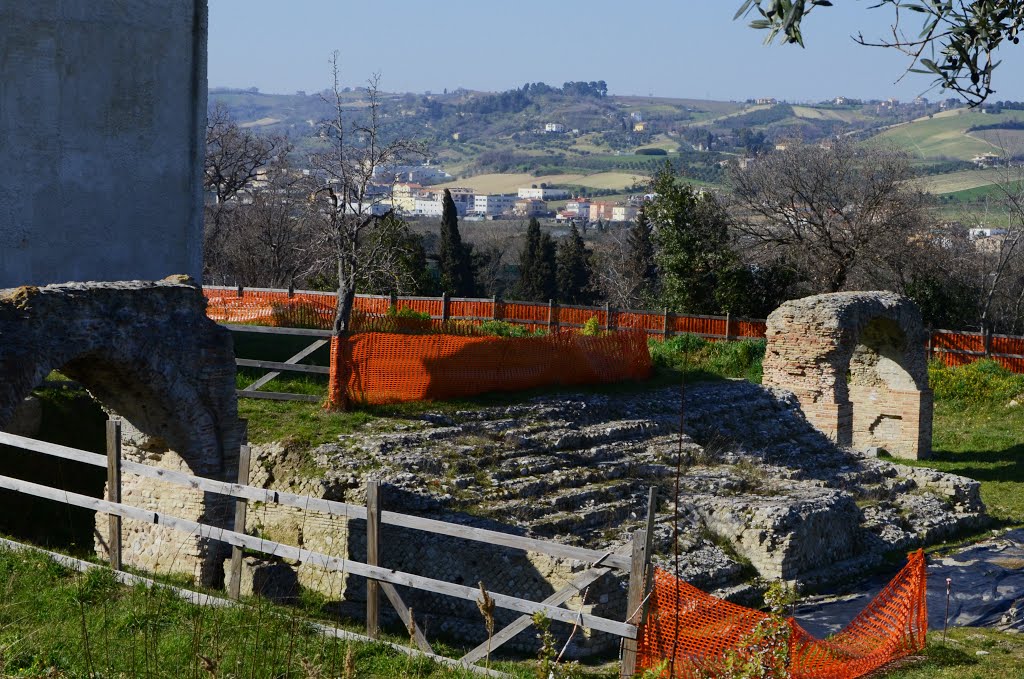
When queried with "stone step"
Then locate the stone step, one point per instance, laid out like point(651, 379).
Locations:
point(603, 516)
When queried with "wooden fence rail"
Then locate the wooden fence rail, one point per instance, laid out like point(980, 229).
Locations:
point(386, 578)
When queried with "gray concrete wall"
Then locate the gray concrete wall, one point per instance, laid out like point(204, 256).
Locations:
point(102, 126)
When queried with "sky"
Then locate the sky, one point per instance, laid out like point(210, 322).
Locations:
point(669, 48)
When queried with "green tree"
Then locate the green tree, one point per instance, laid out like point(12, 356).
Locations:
point(402, 264)
point(573, 270)
point(962, 36)
point(455, 259)
point(693, 243)
point(537, 266)
point(641, 265)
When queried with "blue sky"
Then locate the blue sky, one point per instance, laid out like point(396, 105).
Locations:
point(680, 48)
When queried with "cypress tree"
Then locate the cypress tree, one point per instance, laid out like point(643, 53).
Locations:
point(454, 258)
point(537, 265)
point(641, 266)
point(573, 269)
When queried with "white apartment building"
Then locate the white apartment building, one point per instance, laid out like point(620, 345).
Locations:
point(496, 204)
point(623, 213)
point(578, 207)
point(556, 128)
point(544, 194)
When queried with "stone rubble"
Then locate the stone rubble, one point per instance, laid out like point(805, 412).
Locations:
point(762, 493)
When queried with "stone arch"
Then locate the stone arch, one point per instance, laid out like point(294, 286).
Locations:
point(856, 361)
point(146, 351)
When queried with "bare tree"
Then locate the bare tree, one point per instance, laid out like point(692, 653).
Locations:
point(235, 157)
point(269, 239)
point(1000, 265)
point(356, 150)
point(832, 212)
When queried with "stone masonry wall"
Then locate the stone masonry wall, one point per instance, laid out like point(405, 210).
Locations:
point(856, 362)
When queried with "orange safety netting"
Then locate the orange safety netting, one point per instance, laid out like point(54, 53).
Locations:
point(699, 630)
point(377, 367)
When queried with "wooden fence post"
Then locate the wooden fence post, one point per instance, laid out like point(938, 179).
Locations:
point(666, 329)
point(728, 324)
point(235, 581)
point(241, 290)
point(496, 308)
point(609, 315)
point(551, 315)
point(291, 289)
point(373, 510)
point(393, 302)
point(446, 305)
point(634, 600)
point(114, 491)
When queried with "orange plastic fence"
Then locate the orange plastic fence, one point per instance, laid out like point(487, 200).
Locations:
point(377, 367)
point(694, 631)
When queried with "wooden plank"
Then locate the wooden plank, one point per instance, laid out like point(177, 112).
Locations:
point(114, 491)
point(201, 599)
point(372, 556)
point(235, 582)
point(279, 396)
point(304, 332)
point(504, 539)
point(283, 367)
point(324, 561)
point(334, 508)
point(405, 614)
point(521, 624)
point(294, 359)
point(634, 601)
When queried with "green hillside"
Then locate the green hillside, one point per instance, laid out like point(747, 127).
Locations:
point(945, 135)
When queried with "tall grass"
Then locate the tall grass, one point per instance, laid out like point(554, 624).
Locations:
point(698, 358)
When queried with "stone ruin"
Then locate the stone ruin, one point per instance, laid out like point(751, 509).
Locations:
point(856, 361)
point(147, 352)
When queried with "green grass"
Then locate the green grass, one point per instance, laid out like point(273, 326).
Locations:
point(1002, 656)
point(55, 622)
point(945, 135)
point(699, 359)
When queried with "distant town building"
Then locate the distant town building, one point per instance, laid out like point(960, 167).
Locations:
point(544, 194)
point(624, 213)
point(491, 205)
point(579, 207)
point(530, 207)
point(641, 126)
point(418, 174)
point(766, 101)
point(600, 210)
point(555, 128)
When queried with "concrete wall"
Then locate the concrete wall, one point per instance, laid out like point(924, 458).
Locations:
point(102, 125)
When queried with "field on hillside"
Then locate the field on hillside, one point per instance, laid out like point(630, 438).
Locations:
point(1011, 141)
point(510, 183)
point(825, 114)
point(960, 181)
point(945, 135)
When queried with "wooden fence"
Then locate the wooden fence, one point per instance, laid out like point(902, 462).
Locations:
point(634, 559)
point(951, 347)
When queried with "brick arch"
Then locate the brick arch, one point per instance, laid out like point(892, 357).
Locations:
point(856, 361)
point(146, 351)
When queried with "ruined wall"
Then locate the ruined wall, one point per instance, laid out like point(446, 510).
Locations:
point(147, 352)
point(102, 126)
point(856, 362)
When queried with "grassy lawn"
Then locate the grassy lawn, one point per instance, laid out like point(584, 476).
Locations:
point(1001, 656)
point(58, 623)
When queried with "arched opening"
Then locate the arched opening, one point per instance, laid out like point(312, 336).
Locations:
point(148, 354)
point(856, 362)
point(884, 396)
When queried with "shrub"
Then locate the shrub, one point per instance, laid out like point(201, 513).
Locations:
point(983, 382)
point(651, 152)
point(407, 312)
point(591, 327)
point(691, 354)
point(506, 329)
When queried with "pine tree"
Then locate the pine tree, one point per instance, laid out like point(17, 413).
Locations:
point(693, 240)
point(641, 266)
point(537, 266)
point(455, 259)
point(573, 269)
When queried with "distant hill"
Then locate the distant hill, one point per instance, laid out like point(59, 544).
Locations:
point(581, 138)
